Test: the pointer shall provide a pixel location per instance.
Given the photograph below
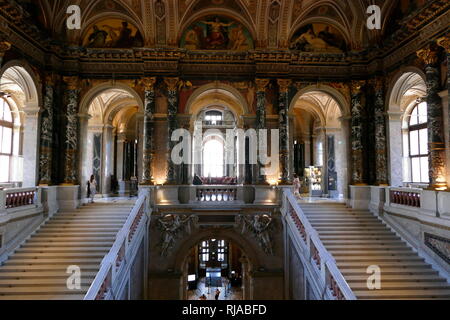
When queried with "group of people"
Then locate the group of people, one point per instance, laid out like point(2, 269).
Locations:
point(216, 296)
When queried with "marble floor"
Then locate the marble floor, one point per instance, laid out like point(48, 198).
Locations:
point(225, 295)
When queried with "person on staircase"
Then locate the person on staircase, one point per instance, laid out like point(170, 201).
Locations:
point(92, 188)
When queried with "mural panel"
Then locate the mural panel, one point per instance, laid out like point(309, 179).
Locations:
point(113, 33)
point(217, 33)
point(318, 37)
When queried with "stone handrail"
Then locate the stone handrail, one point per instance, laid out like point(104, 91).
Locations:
point(119, 259)
point(328, 274)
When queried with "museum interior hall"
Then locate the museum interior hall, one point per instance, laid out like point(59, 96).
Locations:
point(224, 150)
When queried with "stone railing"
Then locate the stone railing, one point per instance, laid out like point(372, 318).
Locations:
point(327, 273)
point(19, 197)
point(405, 197)
point(116, 266)
point(216, 193)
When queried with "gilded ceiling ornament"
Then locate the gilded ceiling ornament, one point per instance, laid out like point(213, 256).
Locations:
point(444, 42)
point(428, 55)
point(356, 85)
point(261, 84)
point(284, 84)
point(73, 82)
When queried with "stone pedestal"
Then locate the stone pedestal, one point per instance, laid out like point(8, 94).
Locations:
point(68, 197)
point(265, 195)
point(50, 200)
point(428, 202)
point(377, 200)
point(167, 195)
point(360, 197)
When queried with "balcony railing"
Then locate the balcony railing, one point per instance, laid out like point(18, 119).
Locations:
point(405, 197)
point(216, 193)
point(327, 272)
point(19, 197)
point(116, 265)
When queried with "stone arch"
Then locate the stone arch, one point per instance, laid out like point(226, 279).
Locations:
point(407, 85)
point(27, 107)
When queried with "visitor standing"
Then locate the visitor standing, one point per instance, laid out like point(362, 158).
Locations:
point(92, 188)
point(217, 294)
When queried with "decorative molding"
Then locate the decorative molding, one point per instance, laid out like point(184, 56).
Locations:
point(428, 55)
point(439, 245)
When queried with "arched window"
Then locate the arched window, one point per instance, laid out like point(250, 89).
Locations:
point(214, 158)
point(418, 143)
point(213, 118)
point(6, 140)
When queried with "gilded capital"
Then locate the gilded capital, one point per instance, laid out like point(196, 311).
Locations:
point(261, 84)
point(4, 46)
point(356, 86)
point(428, 55)
point(444, 42)
point(284, 85)
point(73, 83)
point(172, 83)
point(148, 83)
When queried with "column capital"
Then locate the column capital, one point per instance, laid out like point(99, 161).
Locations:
point(261, 85)
point(4, 47)
point(444, 42)
point(284, 84)
point(50, 79)
point(72, 82)
point(377, 83)
point(356, 86)
point(428, 55)
point(148, 83)
point(172, 83)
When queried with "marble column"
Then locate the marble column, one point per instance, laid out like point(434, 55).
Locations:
point(172, 110)
point(357, 133)
point(4, 47)
point(445, 43)
point(283, 105)
point(107, 159)
point(261, 87)
point(46, 141)
point(71, 134)
point(380, 133)
point(148, 150)
point(436, 141)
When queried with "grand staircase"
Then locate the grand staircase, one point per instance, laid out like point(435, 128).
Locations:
point(357, 240)
point(38, 269)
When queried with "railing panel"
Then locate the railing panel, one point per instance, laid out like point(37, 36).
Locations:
point(405, 197)
point(216, 194)
point(15, 198)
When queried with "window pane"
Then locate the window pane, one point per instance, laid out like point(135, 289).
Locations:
point(424, 169)
point(413, 121)
point(423, 112)
point(423, 141)
point(4, 173)
point(415, 169)
point(6, 140)
point(414, 143)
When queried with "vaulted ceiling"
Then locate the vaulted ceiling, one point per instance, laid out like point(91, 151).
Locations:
point(271, 23)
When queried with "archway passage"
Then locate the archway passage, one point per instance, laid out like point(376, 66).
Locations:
point(320, 145)
point(113, 143)
point(215, 269)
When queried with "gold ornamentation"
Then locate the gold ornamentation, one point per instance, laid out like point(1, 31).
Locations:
point(284, 85)
point(73, 83)
point(4, 46)
point(356, 85)
point(444, 42)
point(262, 84)
point(428, 55)
point(148, 83)
point(50, 79)
point(172, 83)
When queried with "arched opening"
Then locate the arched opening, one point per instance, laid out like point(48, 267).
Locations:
point(320, 145)
point(408, 137)
point(19, 128)
point(215, 267)
point(113, 143)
